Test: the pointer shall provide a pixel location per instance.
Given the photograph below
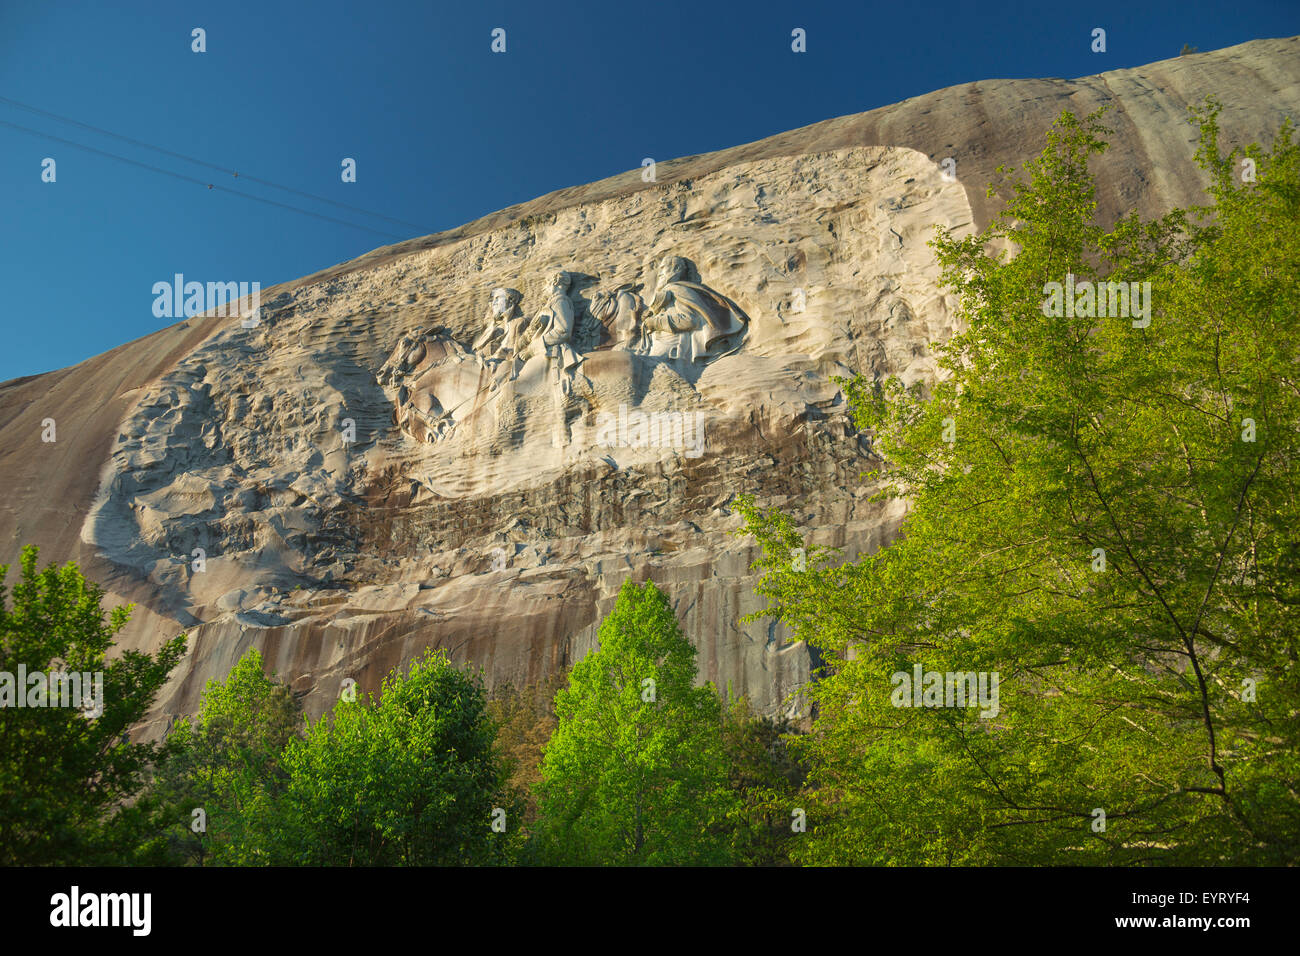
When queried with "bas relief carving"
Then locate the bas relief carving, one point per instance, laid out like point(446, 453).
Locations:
point(499, 339)
point(549, 337)
point(620, 311)
point(437, 384)
point(689, 322)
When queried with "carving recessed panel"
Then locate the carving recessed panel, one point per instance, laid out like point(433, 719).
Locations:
point(437, 385)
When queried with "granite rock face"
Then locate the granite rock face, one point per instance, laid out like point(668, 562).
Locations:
point(350, 501)
point(471, 440)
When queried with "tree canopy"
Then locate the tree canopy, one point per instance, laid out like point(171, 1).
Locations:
point(410, 779)
point(635, 772)
point(66, 776)
point(222, 771)
point(1102, 512)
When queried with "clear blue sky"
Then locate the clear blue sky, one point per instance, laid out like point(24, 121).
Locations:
point(443, 130)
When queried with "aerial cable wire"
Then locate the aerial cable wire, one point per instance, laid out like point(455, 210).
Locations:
point(191, 179)
point(201, 162)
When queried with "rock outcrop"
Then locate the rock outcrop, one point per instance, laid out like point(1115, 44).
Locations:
point(470, 440)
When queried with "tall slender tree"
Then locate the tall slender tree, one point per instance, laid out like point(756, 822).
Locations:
point(635, 772)
point(222, 771)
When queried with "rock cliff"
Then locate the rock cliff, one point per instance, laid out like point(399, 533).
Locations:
point(469, 440)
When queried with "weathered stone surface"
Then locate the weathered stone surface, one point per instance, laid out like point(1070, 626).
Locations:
point(482, 506)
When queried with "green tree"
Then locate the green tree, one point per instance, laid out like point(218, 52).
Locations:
point(227, 763)
point(525, 720)
point(635, 772)
point(1104, 513)
point(412, 779)
point(766, 777)
point(66, 781)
